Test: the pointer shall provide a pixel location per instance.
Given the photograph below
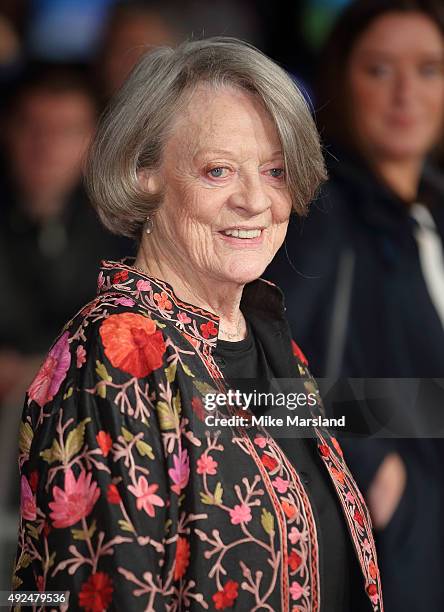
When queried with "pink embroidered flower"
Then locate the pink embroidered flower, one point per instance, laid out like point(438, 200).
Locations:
point(337, 446)
point(143, 285)
point(206, 465)
point(162, 301)
point(296, 590)
point(180, 473)
point(183, 318)
point(80, 356)
point(27, 501)
point(75, 502)
point(146, 497)
point(367, 547)
point(241, 513)
point(208, 329)
point(280, 484)
point(100, 281)
point(350, 497)
point(294, 535)
point(260, 441)
point(52, 373)
point(125, 301)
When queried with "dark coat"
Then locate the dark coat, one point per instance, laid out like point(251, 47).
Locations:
point(129, 497)
point(358, 305)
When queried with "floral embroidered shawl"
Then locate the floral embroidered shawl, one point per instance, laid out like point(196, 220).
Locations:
point(129, 502)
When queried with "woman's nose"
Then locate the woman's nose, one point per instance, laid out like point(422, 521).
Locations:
point(251, 196)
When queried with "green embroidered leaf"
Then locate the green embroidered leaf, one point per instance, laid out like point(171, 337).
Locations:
point(167, 418)
point(16, 582)
point(144, 449)
point(170, 372)
point(159, 324)
point(51, 559)
point(218, 492)
point(101, 371)
point(32, 530)
point(177, 404)
point(23, 561)
point(187, 370)
point(79, 534)
point(26, 436)
point(203, 387)
point(206, 499)
point(101, 389)
point(267, 520)
point(68, 393)
point(168, 524)
point(125, 526)
point(127, 435)
point(74, 441)
point(52, 454)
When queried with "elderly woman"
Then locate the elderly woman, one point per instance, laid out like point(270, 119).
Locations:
point(129, 498)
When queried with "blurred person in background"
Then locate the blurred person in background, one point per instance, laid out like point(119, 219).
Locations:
point(50, 236)
point(364, 274)
point(131, 27)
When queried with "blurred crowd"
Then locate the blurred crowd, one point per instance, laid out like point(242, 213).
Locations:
point(363, 274)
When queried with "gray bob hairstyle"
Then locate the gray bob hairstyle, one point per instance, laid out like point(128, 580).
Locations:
point(132, 132)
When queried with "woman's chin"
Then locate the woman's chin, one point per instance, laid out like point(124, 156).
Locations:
point(243, 274)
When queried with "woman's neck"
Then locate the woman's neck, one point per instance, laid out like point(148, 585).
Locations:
point(223, 299)
point(402, 176)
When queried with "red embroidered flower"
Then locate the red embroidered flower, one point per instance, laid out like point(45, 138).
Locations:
point(358, 518)
point(182, 557)
point(294, 560)
point(337, 446)
point(324, 450)
point(120, 277)
point(162, 301)
point(298, 353)
point(269, 462)
point(372, 590)
point(225, 598)
point(208, 329)
point(33, 480)
point(96, 592)
point(113, 495)
point(198, 408)
point(132, 343)
point(105, 442)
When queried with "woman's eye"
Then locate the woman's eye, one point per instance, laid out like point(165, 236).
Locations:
point(432, 69)
point(277, 172)
point(378, 70)
point(218, 172)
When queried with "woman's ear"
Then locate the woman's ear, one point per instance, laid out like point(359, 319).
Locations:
point(149, 180)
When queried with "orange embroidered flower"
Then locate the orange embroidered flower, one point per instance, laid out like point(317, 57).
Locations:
point(372, 570)
point(340, 476)
point(289, 509)
point(182, 557)
point(162, 301)
point(105, 442)
point(337, 446)
point(120, 277)
point(132, 343)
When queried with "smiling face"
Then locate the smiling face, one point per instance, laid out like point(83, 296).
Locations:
point(396, 86)
point(226, 206)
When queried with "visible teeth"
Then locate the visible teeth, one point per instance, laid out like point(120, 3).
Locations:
point(237, 233)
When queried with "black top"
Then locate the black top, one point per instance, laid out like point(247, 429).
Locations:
point(245, 367)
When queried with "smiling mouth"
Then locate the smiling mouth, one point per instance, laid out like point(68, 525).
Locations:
point(242, 233)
